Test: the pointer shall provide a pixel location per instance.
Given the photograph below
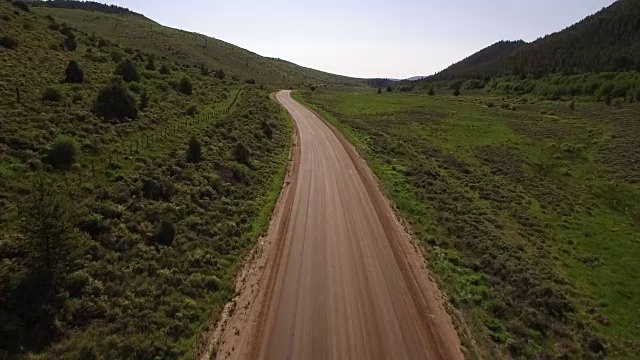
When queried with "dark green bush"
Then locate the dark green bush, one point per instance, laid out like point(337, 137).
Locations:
point(165, 234)
point(69, 43)
point(389, 88)
point(185, 86)
point(161, 189)
point(379, 91)
point(151, 65)
point(456, 92)
point(145, 98)
point(241, 154)
point(250, 81)
point(219, 74)
point(204, 70)
point(117, 57)
point(194, 151)
point(74, 73)
point(115, 101)
point(432, 92)
point(21, 5)
point(191, 110)
point(8, 42)
point(164, 70)
point(52, 94)
point(128, 70)
point(63, 153)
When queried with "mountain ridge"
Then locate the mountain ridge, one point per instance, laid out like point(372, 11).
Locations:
point(604, 41)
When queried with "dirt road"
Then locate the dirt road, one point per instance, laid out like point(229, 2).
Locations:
point(342, 279)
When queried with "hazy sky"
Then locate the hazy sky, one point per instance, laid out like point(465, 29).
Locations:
point(371, 38)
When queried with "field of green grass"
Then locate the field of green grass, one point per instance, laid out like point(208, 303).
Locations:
point(529, 212)
point(192, 48)
point(130, 250)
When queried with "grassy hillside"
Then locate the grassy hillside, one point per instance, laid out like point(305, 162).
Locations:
point(605, 41)
point(472, 66)
point(529, 212)
point(192, 48)
point(131, 188)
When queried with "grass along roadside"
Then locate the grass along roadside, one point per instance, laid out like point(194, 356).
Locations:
point(512, 206)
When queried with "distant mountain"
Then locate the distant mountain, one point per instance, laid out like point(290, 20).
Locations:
point(414, 78)
point(606, 41)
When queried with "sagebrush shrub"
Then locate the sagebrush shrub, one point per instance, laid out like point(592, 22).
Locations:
point(115, 101)
point(52, 94)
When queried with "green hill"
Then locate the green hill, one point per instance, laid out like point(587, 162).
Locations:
point(188, 48)
point(606, 41)
point(131, 190)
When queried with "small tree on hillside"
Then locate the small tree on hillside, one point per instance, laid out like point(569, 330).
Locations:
point(164, 70)
point(115, 101)
point(432, 92)
point(219, 74)
point(194, 151)
point(45, 222)
point(74, 73)
point(128, 70)
point(151, 64)
point(21, 5)
point(456, 92)
point(63, 153)
point(389, 88)
point(241, 154)
point(185, 86)
point(165, 234)
point(69, 43)
point(379, 91)
point(8, 42)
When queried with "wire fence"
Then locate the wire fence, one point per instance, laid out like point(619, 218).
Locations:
point(113, 157)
